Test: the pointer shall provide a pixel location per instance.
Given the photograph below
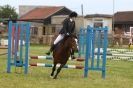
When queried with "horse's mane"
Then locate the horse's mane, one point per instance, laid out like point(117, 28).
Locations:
point(64, 42)
point(69, 36)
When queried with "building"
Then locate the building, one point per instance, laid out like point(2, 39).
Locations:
point(3, 34)
point(99, 20)
point(57, 21)
point(124, 20)
point(42, 30)
point(46, 21)
point(123, 27)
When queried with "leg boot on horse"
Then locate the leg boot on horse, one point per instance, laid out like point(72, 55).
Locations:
point(72, 54)
point(58, 71)
point(53, 70)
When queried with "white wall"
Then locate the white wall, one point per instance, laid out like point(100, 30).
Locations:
point(4, 42)
point(106, 22)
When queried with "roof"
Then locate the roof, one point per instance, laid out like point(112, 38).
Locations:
point(42, 12)
point(126, 16)
point(98, 15)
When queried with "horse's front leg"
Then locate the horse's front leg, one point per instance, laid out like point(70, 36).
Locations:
point(53, 69)
point(58, 71)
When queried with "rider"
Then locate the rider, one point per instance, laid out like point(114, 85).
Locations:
point(67, 29)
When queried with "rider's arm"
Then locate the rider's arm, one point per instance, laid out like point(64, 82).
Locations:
point(65, 26)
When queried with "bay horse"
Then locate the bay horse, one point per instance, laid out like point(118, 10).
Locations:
point(62, 52)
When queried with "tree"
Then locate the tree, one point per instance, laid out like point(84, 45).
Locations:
point(7, 11)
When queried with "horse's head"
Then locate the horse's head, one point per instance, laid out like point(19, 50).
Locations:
point(72, 42)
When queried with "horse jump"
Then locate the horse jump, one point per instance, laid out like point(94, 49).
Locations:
point(89, 39)
point(51, 57)
point(58, 65)
point(18, 51)
point(21, 32)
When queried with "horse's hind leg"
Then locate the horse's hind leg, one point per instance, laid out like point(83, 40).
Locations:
point(53, 69)
point(58, 71)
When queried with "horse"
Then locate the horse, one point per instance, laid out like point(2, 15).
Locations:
point(62, 52)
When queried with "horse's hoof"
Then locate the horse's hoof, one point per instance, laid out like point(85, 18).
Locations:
point(51, 77)
point(54, 77)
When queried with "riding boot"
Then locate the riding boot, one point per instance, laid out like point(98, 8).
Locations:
point(51, 49)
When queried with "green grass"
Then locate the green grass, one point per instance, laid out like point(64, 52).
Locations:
point(119, 75)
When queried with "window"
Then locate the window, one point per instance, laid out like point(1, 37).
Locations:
point(53, 29)
point(98, 22)
point(44, 30)
point(34, 30)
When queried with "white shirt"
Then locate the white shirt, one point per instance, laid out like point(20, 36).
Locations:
point(71, 19)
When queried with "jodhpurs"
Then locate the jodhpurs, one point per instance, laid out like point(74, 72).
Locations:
point(59, 38)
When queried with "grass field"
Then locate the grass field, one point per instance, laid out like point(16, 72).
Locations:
point(119, 75)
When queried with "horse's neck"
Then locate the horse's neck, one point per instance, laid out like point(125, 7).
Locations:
point(63, 49)
point(66, 45)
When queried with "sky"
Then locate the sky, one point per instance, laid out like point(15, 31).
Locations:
point(89, 6)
